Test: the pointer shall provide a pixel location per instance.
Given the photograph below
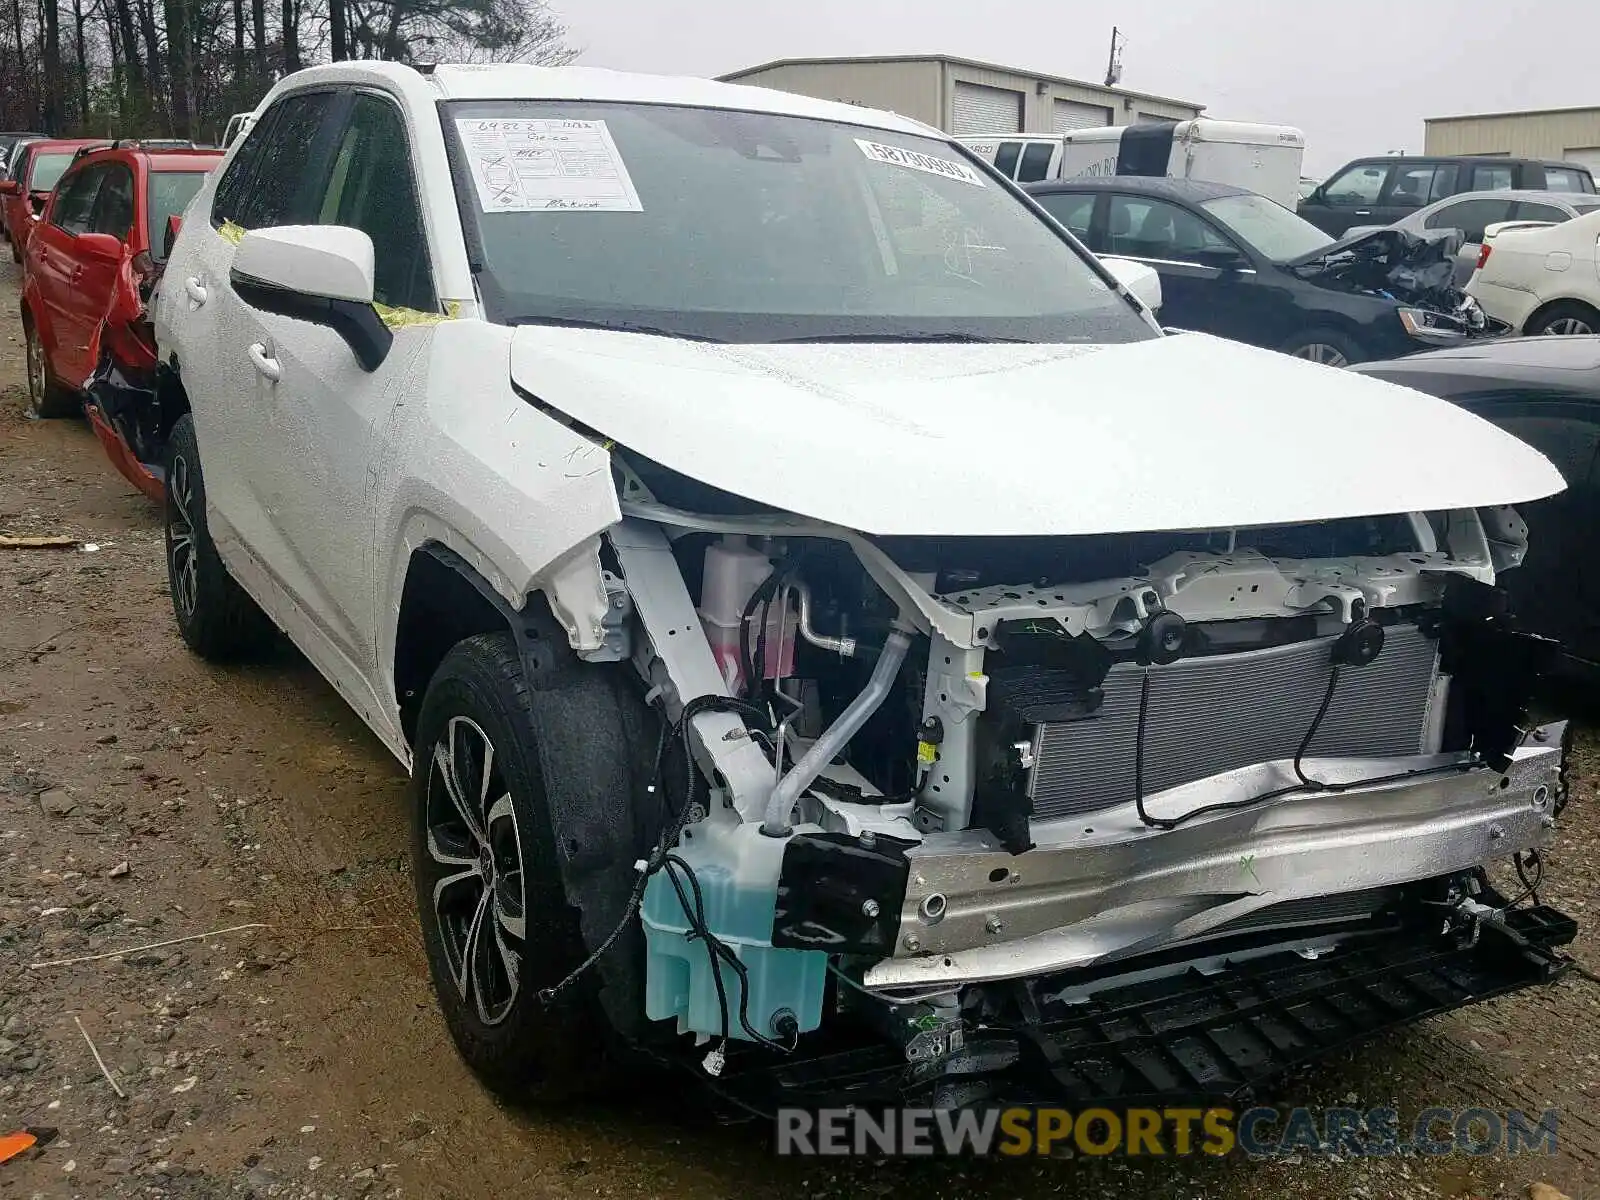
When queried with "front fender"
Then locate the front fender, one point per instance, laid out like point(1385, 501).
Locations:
point(519, 496)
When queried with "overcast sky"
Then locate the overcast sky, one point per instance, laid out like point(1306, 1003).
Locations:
point(1357, 76)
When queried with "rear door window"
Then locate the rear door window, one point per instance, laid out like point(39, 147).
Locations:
point(1445, 177)
point(1470, 216)
point(1491, 179)
point(1035, 162)
point(1411, 185)
point(1531, 210)
point(1361, 185)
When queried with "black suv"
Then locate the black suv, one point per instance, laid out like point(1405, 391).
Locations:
point(1380, 191)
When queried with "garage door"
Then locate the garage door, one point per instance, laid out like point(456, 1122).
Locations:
point(981, 110)
point(1069, 114)
point(1585, 156)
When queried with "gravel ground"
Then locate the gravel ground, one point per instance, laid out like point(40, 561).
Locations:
point(146, 796)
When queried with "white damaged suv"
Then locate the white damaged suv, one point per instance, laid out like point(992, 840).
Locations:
point(839, 642)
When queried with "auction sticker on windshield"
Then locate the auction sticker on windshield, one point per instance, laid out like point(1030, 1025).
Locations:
point(542, 165)
point(917, 161)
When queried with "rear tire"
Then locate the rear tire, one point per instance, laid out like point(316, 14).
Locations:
point(47, 399)
point(1326, 346)
point(1565, 318)
point(497, 923)
point(217, 618)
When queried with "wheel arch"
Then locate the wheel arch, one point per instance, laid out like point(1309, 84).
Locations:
point(1546, 305)
point(1338, 323)
point(593, 731)
point(443, 601)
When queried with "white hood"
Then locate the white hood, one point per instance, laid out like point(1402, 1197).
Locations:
point(1184, 432)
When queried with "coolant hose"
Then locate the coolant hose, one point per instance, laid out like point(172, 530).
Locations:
point(827, 747)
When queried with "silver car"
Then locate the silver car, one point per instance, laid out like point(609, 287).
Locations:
point(1472, 212)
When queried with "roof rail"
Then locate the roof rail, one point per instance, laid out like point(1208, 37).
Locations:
point(153, 144)
point(90, 149)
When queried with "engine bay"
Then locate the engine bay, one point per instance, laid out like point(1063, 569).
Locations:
point(934, 768)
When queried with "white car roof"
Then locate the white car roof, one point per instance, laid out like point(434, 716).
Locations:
point(521, 81)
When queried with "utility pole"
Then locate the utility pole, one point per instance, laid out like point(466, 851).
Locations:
point(1114, 60)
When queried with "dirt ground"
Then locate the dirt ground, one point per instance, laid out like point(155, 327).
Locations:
point(146, 796)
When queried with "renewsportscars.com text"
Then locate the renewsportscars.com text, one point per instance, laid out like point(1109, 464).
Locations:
point(1158, 1132)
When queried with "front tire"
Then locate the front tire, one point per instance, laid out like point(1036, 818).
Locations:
point(496, 921)
point(1568, 318)
point(47, 399)
point(1326, 346)
point(217, 618)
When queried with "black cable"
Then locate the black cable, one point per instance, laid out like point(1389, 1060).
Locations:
point(1316, 785)
point(1138, 759)
point(1303, 784)
point(715, 948)
point(1530, 888)
point(670, 833)
point(697, 929)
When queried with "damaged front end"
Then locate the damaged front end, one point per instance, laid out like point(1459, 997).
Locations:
point(1415, 270)
point(1096, 817)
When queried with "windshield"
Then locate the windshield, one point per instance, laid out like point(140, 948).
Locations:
point(47, 168)
point(750, 227)
point(1581, 205)
point(170, 193)
point(1273, 230)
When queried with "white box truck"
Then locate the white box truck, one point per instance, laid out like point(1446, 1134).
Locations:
point(1266, 159)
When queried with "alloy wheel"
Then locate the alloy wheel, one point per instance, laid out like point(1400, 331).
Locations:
point(36, 376)
point(180, 538)
point(1568, 327)
point(478, 895)
point(1321, 352)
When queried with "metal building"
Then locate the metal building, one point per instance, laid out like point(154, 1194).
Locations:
point(963, 97)
point(1554, 133)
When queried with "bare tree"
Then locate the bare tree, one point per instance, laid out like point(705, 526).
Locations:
point(132, 67)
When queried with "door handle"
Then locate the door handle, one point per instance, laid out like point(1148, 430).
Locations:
point(196, 293)
point(266, 365)
point(1363, 212)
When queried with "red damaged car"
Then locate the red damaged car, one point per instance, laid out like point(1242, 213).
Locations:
point(89, 267)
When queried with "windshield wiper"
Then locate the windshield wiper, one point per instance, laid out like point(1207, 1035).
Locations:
point(613, 326)
point(912, 336)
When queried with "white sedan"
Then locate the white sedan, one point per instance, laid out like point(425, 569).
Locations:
point(1542, 279)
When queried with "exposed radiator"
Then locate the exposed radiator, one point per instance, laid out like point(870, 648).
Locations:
point(1212, 714)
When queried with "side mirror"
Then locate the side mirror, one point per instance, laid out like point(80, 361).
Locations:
point(1138, 278)
point(98, 247)
point(1222, 259)
point(316, 273)
point(10, 187)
